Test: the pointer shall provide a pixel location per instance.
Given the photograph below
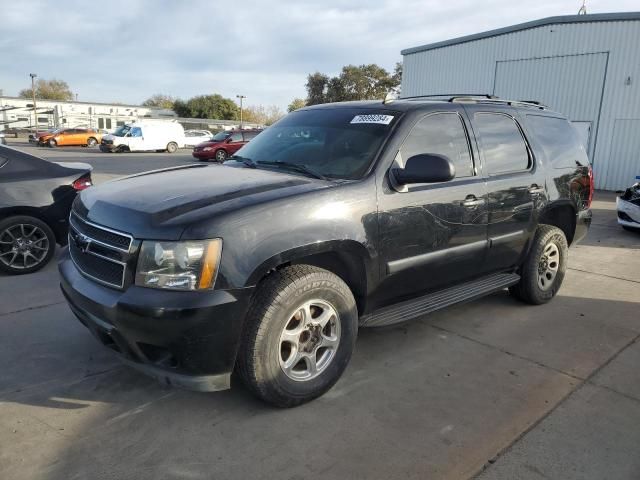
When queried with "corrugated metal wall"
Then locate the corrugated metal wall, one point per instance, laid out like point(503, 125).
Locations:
point(493, 65)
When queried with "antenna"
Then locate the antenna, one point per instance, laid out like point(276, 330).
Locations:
point(583, 8)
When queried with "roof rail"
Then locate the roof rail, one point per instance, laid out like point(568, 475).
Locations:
point(494, 99)
point(449, 95)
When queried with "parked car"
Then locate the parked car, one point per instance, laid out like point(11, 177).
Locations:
point(145, 135)
point(63, 137)
point(35, 201)
point(338, 216)
point(3, 140)
point(224, 144)
point(196, 137)
point(33, 137)
point(628, 206)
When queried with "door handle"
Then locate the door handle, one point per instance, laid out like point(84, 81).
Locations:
point(472, 201)
point(535, 189)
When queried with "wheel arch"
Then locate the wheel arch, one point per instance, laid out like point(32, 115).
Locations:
point(36, 213)
point(347, 259)
point(561, 215)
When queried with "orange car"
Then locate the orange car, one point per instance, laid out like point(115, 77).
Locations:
point(71, 136)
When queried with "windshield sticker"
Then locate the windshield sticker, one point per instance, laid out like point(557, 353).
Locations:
point(380, 119)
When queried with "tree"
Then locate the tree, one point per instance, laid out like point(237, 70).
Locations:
point(207, 106)
point(295, 104)
point(159, 100)
point(262, 115)
point(49, 90)
point(316, 88)
point(364, 82)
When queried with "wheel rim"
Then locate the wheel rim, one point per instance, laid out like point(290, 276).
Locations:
point(309, 340)
point(23, 246)
point(220, 155)
point(52, 143)
point(548, 266)
point(92, 142)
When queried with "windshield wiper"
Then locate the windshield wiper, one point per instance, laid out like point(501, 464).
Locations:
point(295, 167)
point(247, 161)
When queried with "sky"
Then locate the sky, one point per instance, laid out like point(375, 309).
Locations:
point(125, 51)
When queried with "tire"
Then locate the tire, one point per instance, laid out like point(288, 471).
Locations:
point(15, 232)
point(276, 316)
point(122, 149)
point(91, 142)
point(172, 147)
point(52, 143)
point(221, 155)
point(543, 271)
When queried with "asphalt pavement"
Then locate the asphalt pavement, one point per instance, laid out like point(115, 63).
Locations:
point(492, 389)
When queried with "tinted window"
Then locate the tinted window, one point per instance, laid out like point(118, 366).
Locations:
point(442, 134)
point(236, 137)
point(502, 143)
point(249, 136)
point(3, 161)
point(136, 132)
point(559, 140)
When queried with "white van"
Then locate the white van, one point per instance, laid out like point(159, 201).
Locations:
point(145, 135)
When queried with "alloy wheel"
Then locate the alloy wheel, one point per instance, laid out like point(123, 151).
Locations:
point(309, 340)
point(23, 246)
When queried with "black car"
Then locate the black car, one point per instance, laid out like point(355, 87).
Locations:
point(35, 201)
point(338, 216)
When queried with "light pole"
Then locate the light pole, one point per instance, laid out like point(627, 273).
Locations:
point(241, 97)
point(33, 93)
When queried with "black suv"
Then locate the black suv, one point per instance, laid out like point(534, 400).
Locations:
point(339, 216)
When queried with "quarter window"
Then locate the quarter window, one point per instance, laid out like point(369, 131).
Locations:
point(441, 134)
point(559, 140)
point(502, 143)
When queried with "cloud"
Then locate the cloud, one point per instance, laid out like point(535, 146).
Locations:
point(128, 50)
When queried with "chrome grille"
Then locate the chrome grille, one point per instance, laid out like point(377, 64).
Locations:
point(99, 252)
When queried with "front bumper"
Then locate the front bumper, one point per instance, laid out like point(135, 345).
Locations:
point(185, 339)
point(628, 213)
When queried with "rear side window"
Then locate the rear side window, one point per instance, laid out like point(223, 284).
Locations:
point(559, 140)
point(502, 143)
point(442, 134)
point(249, 136)
point(236, 137)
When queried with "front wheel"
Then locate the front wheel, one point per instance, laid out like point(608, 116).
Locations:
point(92, 142)
point(172, 147)
point(543, 271)
point(221, 156)
point(26, 244)
point(52, 143)
point(300, 333)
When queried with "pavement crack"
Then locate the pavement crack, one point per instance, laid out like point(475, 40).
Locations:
point(37, 307)
point(603, 275)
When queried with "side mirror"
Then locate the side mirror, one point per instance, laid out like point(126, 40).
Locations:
point(425, 168)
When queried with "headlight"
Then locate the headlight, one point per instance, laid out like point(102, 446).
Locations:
point(207, 149)
point(188, 265)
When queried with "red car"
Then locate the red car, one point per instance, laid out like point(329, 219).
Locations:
point(224, 144)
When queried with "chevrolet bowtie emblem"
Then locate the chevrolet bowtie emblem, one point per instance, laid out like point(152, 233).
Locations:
point(82, 242)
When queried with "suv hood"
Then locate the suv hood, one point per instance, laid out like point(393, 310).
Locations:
point(160, 204)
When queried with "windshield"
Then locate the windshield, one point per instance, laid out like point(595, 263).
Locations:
point(122, 131)
point(220, 136)
point(335, 143)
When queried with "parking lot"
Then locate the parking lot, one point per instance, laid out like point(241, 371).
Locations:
point(494, 388)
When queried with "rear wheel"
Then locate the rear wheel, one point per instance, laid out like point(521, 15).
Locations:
point(301, 330)
point(92, 142)
point(543, 271)
point(221, 155)
point(52, 143)
point(26, 244)
point(172, 147)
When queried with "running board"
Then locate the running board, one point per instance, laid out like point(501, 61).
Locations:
point(416, 307)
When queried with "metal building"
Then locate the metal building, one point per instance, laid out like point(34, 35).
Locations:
point(585, 66)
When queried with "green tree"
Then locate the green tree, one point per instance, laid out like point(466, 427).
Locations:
point(49, 90)
point(295, 104)
point(363, 82)
point(159, 100)
point(317, 88)
point(207, 106)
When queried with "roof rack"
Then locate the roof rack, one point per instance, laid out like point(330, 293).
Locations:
point(450, 95)
point(483, 97)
